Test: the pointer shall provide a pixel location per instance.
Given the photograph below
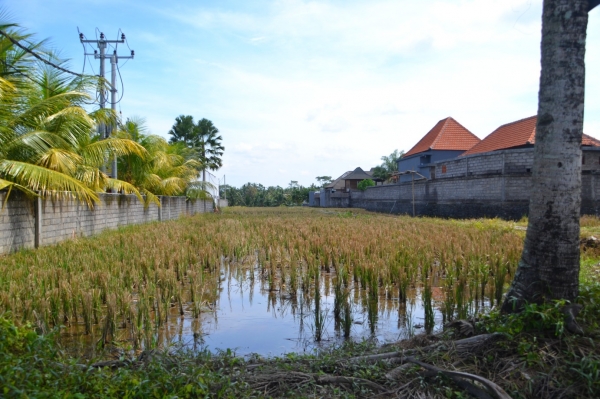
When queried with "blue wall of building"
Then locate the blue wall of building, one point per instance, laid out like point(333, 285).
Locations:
point(419, 162)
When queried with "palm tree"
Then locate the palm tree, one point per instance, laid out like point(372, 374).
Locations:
point(207, 144)
point(166, 170)
point(182, 130)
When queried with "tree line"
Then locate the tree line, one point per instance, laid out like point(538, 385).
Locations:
point(253, 194)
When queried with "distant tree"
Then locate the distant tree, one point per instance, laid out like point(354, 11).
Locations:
point(257, 195)
point(324, 180)
point(202, 139)
point(208, 147)
point(183, 130)
point(388, 166)
point(364, 184)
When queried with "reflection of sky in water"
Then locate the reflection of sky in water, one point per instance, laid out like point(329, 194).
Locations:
point(248, 319)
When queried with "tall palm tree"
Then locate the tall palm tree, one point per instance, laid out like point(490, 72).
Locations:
point(182, 130)
point(207, 145)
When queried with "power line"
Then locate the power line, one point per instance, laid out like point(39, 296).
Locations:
point(102, 43)
point(28, 50)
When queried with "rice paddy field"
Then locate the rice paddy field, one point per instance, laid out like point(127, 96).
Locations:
point(325, 275)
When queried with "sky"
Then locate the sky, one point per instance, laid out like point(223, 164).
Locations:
point(300, 89)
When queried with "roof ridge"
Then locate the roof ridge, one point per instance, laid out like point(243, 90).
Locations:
point(441, 132)
point(517, 121)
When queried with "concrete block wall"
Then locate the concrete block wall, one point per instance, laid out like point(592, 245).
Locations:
point(505, 196)
point(17, 222)
point(515, 161)
point(22, 226)
point(591, 160)
point(518, 161)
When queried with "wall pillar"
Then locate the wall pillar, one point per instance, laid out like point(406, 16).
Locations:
point(160, 208)
point(38, 221)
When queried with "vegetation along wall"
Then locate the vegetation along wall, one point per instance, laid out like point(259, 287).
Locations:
point(29, 223)
point(482, 185)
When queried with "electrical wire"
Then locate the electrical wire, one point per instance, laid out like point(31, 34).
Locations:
point(122, 85)
point(101, 92)
point(85, 60)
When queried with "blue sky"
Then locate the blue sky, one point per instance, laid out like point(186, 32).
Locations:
point(300, 89)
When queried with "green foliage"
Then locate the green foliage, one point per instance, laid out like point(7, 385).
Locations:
point(252, 194)
point(388, 166)
point(364, 184)
point(167, 169)
point(33, 366)
point(202, 139)
point(324, 180)
point(534, 317)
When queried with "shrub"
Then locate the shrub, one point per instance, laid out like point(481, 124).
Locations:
point(362, 186)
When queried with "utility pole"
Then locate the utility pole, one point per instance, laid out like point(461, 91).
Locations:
point(106, 131)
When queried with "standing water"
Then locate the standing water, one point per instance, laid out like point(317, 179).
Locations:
point(248, 317)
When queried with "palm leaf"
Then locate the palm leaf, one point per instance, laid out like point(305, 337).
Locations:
point(96, 153)
point(60, 160)
point(48, 182)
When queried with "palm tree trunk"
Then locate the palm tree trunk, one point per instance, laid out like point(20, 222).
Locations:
point(204, 187)
point(549, 265)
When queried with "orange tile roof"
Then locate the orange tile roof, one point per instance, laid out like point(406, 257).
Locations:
point(516, 134)
point(512, 134)
point(589, 140)
point(447, 134)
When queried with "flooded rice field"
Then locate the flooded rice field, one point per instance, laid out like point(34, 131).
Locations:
point(247, 317)
point(266, 281)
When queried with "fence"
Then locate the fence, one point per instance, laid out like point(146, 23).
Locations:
point(29, 223)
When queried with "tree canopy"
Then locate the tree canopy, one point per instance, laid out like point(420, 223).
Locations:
point(202, 139)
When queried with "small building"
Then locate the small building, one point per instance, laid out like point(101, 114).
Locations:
point(446, 140)
point(339, 183)
point(356, 176)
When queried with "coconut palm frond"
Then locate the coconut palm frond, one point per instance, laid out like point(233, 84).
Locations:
point(72, 123)
point(41, 109)
point(196, 194)
point(60, 160)
point(5, 184)
point(48, 182)
point(202, 185)
point(173, 186)
point(121, 186)
point(150, 198)
point(193, 163)
point(32, 144)
point(96, 153)
point(92, 177)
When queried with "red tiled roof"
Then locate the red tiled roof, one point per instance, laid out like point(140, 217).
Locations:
point(589, 140)
point(512, 134)
point(447, 134)
point(516, 134)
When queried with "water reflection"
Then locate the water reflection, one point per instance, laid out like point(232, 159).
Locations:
point(248, 317)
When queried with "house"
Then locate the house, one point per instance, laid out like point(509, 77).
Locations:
point(517, 134)
point(339, 183)
point(349, 180)
point(356, 176)
point(446, 140)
